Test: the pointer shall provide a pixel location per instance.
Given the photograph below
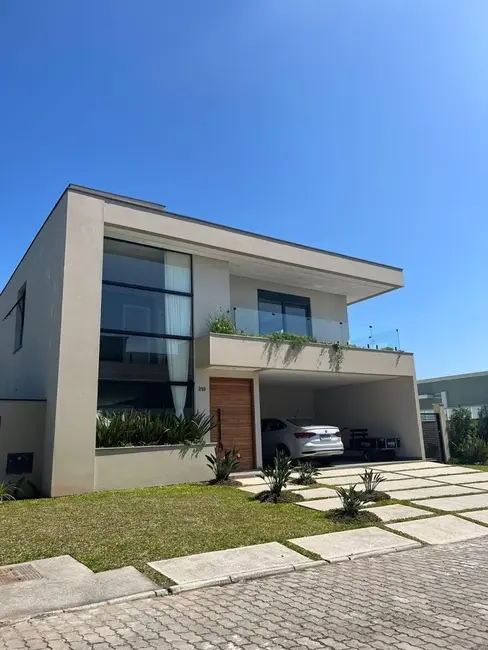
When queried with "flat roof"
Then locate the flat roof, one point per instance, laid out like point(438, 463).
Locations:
point(467, 375)
point(157, 207)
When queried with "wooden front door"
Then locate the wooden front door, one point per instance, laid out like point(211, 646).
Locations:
point(231, 403)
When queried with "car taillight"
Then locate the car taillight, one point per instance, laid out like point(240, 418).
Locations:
point(303, 434)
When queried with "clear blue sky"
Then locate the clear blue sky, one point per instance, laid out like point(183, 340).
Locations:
point(359, 126)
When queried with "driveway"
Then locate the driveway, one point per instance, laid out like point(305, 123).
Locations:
point(429, 599)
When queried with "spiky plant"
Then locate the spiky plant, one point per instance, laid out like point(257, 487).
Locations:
point(352, 500)
point(8, 489)
point(276, 476)
point(222, 463)
point(307, 473)
point(371, 480)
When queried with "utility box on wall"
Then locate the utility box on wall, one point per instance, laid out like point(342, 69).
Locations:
point(22, 425)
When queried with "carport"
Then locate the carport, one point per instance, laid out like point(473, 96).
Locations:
point(386, 405)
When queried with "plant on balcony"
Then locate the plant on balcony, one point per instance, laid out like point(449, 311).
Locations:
point(336, 356)
point(371, 481)
point(221, 323)
point(307, 473)
point(222, 463)
point(143, 428)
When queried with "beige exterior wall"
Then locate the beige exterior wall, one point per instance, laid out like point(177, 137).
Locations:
point(125, 467)
point(325, 307)
point(22, 424)
point(211, 291)
point(387, 407)
point(256, 353)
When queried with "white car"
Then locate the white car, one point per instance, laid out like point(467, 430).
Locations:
point(298, 439)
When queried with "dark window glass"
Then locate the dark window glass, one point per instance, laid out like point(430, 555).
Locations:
point(125, 356)
point(148, 312)
point(140, 395)
point(281, 312)
point(145, 266)
point(19, 319)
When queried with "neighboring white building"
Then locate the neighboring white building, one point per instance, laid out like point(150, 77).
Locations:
point(109, 308)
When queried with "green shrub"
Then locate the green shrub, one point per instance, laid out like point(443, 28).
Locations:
point(8, 490)
point(371, 481)
point(142, 428)
point(307, 473)
point(483, 422)
point(352, 500)
point(276, 476)
point(460, 427)
point(221, 323)
point(472, 450)
point(222, 463)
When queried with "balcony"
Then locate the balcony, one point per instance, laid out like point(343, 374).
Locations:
point(254, 322)
point(248, 339)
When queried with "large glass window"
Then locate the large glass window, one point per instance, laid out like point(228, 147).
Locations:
point(146, 328)
point(281, 312)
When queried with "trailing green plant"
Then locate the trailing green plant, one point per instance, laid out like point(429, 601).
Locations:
point(483, 423)
point(276, 477)
point(307, 473)
point(460, 427)
point(221, 323)
point(289, 337)
point(142, 428)
point(222, 463)
point(472, 450)
point(336, 356)
point(352, 500)
point(8, 490)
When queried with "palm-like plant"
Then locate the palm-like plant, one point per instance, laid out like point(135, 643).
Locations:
point(222, 463)
point(371, 480)
point(307, 473)
point(277, 476)
point(8, 489)
point(352, 500)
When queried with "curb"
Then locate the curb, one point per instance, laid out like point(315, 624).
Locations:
point(245, 575)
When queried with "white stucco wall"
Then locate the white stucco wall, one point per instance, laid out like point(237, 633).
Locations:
point(387, 408)
point(325, 307)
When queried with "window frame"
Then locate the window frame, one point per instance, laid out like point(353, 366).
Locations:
point(20, 311)
point(286, 299)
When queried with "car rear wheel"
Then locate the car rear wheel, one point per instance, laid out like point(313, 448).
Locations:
point(282, 449)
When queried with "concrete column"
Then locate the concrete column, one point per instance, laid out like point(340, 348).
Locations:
point(439, 409)
point(73, 442)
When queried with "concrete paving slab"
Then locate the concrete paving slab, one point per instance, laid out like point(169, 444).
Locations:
point(398, 511)
point(404, 484)
point(351, 544)
point(464, 479)
point(477, 515)
point(66, 583)
point(455, 504)
point(354, 479)
point(334, 472)
point(441, 530)
point(430, 492)
point(251, 480)
point(399, 467)
point(317, 493)
point(229, 563)
point(478, 486)
point(447, 470)
point(322, 504)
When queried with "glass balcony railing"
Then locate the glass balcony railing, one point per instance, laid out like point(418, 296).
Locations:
point(259, 322)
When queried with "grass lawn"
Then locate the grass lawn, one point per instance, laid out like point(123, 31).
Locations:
point(107, 530)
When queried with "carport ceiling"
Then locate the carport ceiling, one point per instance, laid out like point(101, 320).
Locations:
point(316, 379)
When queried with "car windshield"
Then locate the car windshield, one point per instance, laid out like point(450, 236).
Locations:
point(300, 422)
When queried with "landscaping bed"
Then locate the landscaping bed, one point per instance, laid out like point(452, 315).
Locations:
point(108, 530)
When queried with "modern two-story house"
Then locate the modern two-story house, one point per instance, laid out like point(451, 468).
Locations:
point(110, 308)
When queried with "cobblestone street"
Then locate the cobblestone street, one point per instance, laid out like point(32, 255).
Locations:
point(431, 598)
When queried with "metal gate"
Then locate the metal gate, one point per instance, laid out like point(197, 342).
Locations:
point(433, 441)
